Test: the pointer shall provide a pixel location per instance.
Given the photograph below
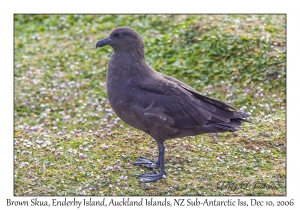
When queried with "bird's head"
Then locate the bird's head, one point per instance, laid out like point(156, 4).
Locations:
point(123, 39)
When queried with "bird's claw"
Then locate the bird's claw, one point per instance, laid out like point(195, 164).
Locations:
point(150, 177)
point(142, 161)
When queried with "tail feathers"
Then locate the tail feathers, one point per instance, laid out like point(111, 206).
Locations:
point(241, 115)
point(233, 125)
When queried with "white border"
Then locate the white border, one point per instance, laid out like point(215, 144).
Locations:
point(153, 6)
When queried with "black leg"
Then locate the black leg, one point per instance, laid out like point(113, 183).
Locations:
point(153, 177)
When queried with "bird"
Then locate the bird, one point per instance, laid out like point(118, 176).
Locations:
point(158, 104)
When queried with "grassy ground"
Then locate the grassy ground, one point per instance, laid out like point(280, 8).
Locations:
point(68, 141)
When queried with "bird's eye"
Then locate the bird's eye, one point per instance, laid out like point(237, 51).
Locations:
point(118, 35)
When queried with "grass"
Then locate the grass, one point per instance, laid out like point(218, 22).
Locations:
point(68, 141)
point(99, 163)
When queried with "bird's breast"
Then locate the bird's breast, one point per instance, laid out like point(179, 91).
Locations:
point(119, 97)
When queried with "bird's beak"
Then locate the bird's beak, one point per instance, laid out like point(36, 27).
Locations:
point(103, 42)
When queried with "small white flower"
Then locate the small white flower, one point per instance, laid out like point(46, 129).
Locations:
point(104, 146)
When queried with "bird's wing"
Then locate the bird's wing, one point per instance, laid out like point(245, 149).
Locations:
point(209, 100)
point(167, 102)
point(216, 106)
point(213, 103)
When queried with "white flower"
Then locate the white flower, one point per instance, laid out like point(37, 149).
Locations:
point(104, 146)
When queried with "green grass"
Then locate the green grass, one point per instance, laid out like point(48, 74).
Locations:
point(95, 163)
point(68, 141)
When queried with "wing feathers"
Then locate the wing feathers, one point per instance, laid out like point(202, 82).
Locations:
point(177, 105)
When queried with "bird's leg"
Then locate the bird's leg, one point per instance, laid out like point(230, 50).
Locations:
point(153, 177)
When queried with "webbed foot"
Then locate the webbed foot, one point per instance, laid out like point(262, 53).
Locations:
point(142, 161)
point(150, 177)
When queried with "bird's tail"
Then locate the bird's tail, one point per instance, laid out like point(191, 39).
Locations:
point(233, 125)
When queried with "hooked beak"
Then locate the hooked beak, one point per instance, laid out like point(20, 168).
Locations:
point(103, 42)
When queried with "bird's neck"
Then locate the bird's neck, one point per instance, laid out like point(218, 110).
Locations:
point(126, 63)
point(136, 54)
point(126, 67)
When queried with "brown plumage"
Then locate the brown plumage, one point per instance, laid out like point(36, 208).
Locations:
point(158, 104)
